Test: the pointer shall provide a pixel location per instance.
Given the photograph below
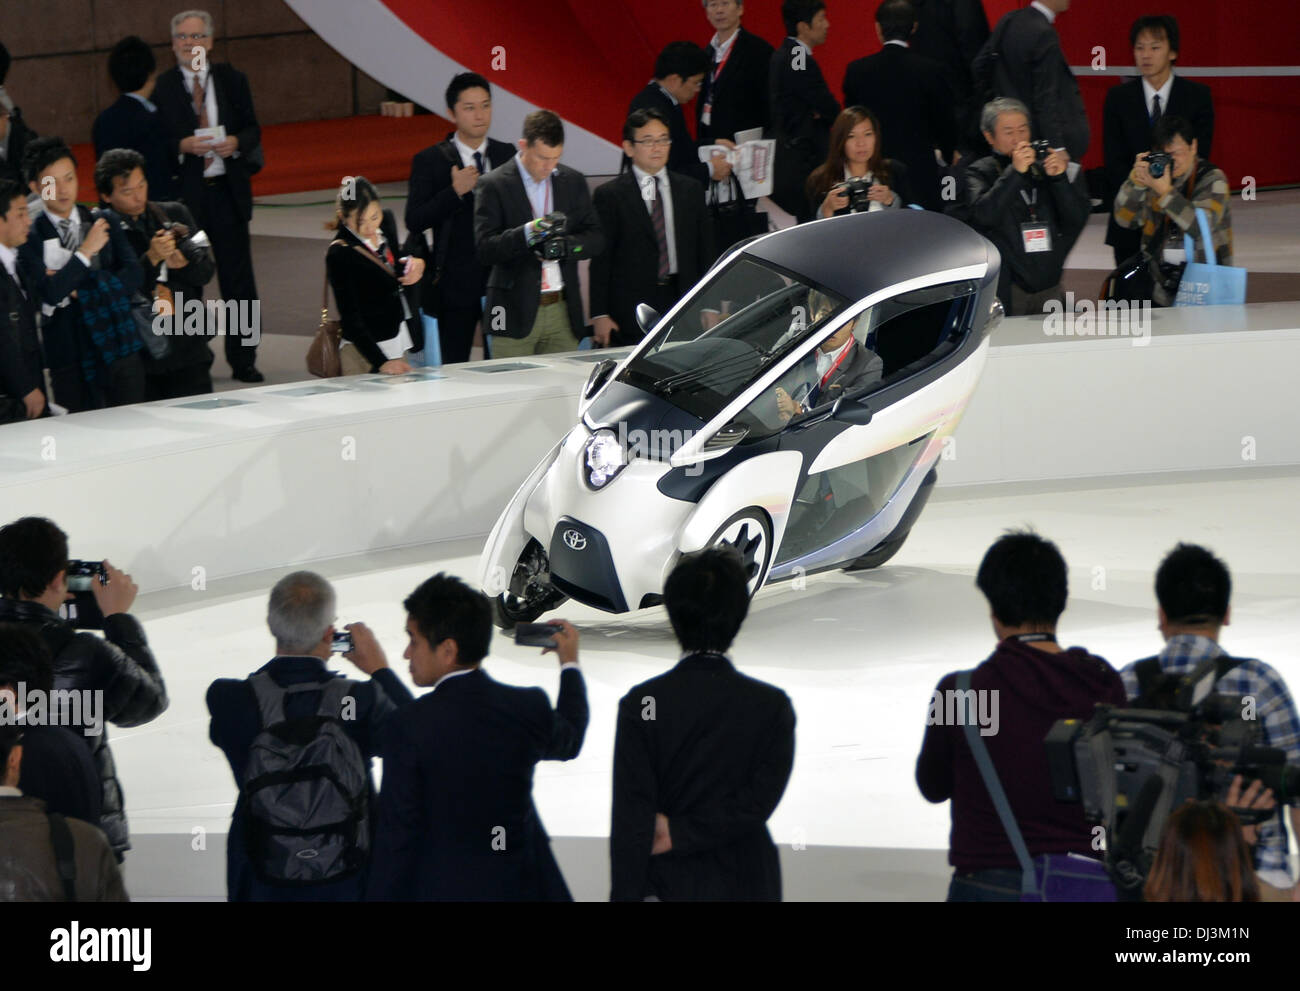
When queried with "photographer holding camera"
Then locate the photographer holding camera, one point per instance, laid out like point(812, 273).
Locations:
point(1193, 588)
point(1161, 196)
point(176, 260)
point(336, 723)
point(34, 569)
point(856, 178)
point(1021, 198)
point(534, 243)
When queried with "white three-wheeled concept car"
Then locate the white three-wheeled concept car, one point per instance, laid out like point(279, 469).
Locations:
point(794, 404)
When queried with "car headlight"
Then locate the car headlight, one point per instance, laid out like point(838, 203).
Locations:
point(605, 458)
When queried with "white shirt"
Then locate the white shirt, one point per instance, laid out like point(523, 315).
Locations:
point(672, 99)
point(451, 674)
point(1149, 94)
point(725, 47)
point(147, 104)
point(825, 361)
point(7, 792)
point(643, 181)
point(1047, 12)
point(218, 166)
point(9, 258)
point(467, 153)
point(899, 42)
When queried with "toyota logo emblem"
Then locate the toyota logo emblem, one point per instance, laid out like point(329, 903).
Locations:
point(574, 540)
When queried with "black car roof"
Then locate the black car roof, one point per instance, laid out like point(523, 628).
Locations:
point(862, 253)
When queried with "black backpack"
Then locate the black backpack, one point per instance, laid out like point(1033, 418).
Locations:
point(306, 789)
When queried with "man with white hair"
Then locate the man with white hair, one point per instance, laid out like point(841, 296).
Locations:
point(214, 145)
point(297, 685)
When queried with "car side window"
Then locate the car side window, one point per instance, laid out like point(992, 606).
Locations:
point(916, 328)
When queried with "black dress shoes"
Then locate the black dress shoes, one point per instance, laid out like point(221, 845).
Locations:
point(249, 374)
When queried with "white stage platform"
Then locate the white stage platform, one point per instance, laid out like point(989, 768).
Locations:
point(1114, 451)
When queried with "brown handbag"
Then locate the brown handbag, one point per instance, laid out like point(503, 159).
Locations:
point(323, 353)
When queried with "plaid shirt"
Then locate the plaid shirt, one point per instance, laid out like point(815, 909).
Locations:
point(1273, 707)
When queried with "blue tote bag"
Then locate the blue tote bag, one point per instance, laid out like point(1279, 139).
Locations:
point(1208, 283)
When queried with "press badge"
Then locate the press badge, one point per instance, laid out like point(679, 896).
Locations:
point(1037, 237)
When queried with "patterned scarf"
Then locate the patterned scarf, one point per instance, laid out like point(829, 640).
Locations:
point(110, 328)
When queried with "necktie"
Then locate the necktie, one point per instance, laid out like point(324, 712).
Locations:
point(478, 161)
point(201, 111)
point(1155, 109)
point(67, 237)
point(661, 228)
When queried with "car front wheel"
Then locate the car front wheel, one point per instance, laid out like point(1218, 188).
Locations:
point(750, 534)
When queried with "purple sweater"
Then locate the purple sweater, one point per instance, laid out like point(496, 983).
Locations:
point(1035, 689)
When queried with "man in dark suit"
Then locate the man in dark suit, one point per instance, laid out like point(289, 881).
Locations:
point(214, 176)
point(702, 755)
point(951, 32)
point(679, 73)
point(733, 96)
point(1023, 60)
point(457, 818)
point(92, 345)
point(133, 121)
point(441, 201)
point(1134, 107)
point(910, 96)
point(657, 234)
point(173, 253)
point(533, 303)
point(803, 108)
point(300, 615)
point(22, 375)
point(14, 132)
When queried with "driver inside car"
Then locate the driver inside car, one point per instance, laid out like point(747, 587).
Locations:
point(840, 364)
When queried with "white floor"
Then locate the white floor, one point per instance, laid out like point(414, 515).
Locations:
point(858, 655)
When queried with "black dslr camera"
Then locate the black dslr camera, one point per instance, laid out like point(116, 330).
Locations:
point(1042, 148)
point(551, 244)
point(1157, 162)
point(856, 190)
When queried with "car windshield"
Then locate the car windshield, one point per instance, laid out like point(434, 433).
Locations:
point(731, 330)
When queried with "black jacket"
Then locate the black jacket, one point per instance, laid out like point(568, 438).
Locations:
point(185, 350)
point(368, 291)
point(899, 181)
point(714, 758)
point(121, 665)
point(1035, 72)
point(20, 135)
point(683, 156)
point(63, 332)
point(501, 212)
point(432, 206)
point(128, 123)
point(21, 366)
point(625, 273)
point(234, 112)
point(910, 96)
point(993, 204)
point(236, 722)
point(951, 32)
point(739, 97)
point(459, 822)
point(803, 111)
point(1126, 129)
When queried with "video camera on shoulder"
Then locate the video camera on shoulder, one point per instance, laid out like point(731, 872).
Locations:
point(551, 244)
point(1132, 767)
point(83, 611)
point(857, 190)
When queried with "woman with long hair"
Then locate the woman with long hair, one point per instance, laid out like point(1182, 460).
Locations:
point(855, 144)
point(1203, 857)
point(379, 322)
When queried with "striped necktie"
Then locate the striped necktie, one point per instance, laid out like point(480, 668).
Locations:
point(67, 236)
point(657, 220)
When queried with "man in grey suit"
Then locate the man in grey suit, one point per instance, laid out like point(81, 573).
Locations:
point(533, 301)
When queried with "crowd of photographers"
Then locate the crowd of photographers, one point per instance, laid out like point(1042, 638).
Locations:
point(1023, 746)
point(986, 126)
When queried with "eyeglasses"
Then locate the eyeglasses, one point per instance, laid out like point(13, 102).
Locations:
point(653, 142)
point(196, 36)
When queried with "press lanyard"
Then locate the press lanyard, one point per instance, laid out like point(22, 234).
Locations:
point(1032, 202)
point(844, 353)
point(717, 69)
